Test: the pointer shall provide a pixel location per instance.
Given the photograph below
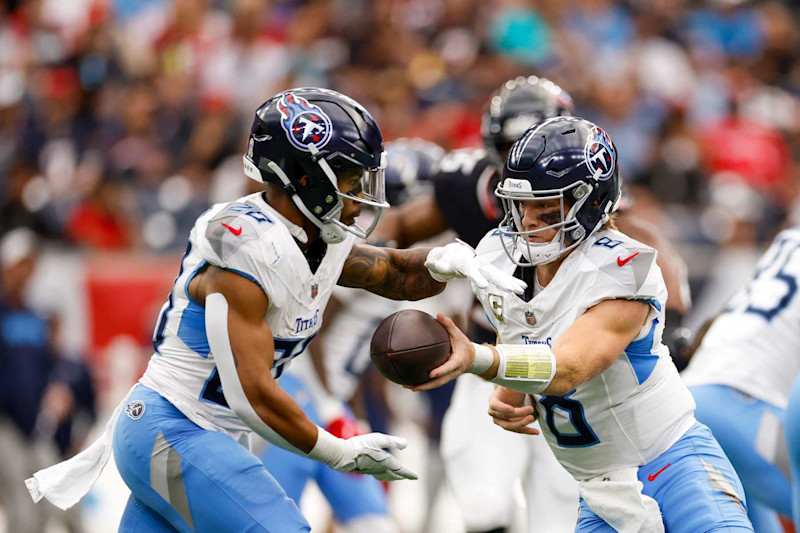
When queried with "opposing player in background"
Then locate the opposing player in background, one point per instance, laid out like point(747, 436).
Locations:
point(585, 340)
point(249, 297)
point(325, 383)
point(741, 375)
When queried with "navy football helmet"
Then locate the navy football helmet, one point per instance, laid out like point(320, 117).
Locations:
point(321, 134)
point(565, 158)
point(516, 106)
point(412, 164)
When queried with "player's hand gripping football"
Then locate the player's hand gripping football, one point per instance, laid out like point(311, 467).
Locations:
point(367, 454)
point(508, 410)
point(458, 260)
point(462, 354)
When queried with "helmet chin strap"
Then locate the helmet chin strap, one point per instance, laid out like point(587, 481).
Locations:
point(331, 229)
point(330, 232)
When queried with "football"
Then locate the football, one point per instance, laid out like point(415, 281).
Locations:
point(407, 345)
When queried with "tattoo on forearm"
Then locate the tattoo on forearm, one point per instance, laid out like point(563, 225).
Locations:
point(396, 274)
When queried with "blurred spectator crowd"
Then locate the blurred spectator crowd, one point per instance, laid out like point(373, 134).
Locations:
point(122, 120)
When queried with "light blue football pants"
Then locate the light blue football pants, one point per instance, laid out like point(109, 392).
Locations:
point(793, 444)
point(188, 479)
point(695, 486)
point(743, 426)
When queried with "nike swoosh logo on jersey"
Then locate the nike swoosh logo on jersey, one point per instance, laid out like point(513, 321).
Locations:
point(621, 261)
point(652, 477)
point(237, 231)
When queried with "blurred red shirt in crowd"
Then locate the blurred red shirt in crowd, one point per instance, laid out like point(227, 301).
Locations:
point(757, 154)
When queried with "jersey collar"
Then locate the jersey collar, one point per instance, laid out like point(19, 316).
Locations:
point(296, 231)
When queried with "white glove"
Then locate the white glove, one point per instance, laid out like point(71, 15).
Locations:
point(364, 454)
point(458, 260)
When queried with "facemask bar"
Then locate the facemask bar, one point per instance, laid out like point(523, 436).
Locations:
point(372, 187)
point(516, 244)
point(331, 228)
point(373, 180)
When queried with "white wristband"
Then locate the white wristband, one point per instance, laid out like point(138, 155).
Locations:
point(526, 368)
point(328, 449)
point(484, 357)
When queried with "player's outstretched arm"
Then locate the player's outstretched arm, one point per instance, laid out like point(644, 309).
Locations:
point(243, 348)
point(411, 222)
point(395, 274)
point(586, 349)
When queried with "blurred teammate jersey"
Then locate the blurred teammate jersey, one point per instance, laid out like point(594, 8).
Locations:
point(249, 238)
point(752, 344)
point(637, 408)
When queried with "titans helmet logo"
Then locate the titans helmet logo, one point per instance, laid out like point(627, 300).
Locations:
point(600, 154)
point(304, 123)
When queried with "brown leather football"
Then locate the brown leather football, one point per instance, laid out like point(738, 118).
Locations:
point(407, 345)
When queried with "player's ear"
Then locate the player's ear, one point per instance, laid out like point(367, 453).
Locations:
point(304, 181)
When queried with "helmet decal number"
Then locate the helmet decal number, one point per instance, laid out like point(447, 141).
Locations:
point(303, 122)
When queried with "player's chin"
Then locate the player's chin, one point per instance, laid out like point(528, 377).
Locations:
point(539, 238)
point(534, 239)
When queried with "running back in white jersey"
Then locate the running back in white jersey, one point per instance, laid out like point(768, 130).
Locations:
point(754, 345)
point(637, 408)
point(250, 238)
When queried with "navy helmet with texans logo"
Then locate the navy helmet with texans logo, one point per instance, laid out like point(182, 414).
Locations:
point(567, 159)
point(319, 134)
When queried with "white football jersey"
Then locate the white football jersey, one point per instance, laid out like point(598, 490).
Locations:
point(754, 344)
point(250, 238)
point(631, 413)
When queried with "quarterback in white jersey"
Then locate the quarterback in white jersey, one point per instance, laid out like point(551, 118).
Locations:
point(249, 297)
point(741, 375)
point(635, 408)
point(463, 201)
point(585, 341)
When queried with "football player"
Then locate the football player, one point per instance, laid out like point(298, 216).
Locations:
point(585, 341)
point(463, 200)
point(249, 297)
point(327, 381)
point(741, 375)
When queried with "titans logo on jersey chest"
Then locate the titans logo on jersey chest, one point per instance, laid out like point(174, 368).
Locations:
point(303, 122)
